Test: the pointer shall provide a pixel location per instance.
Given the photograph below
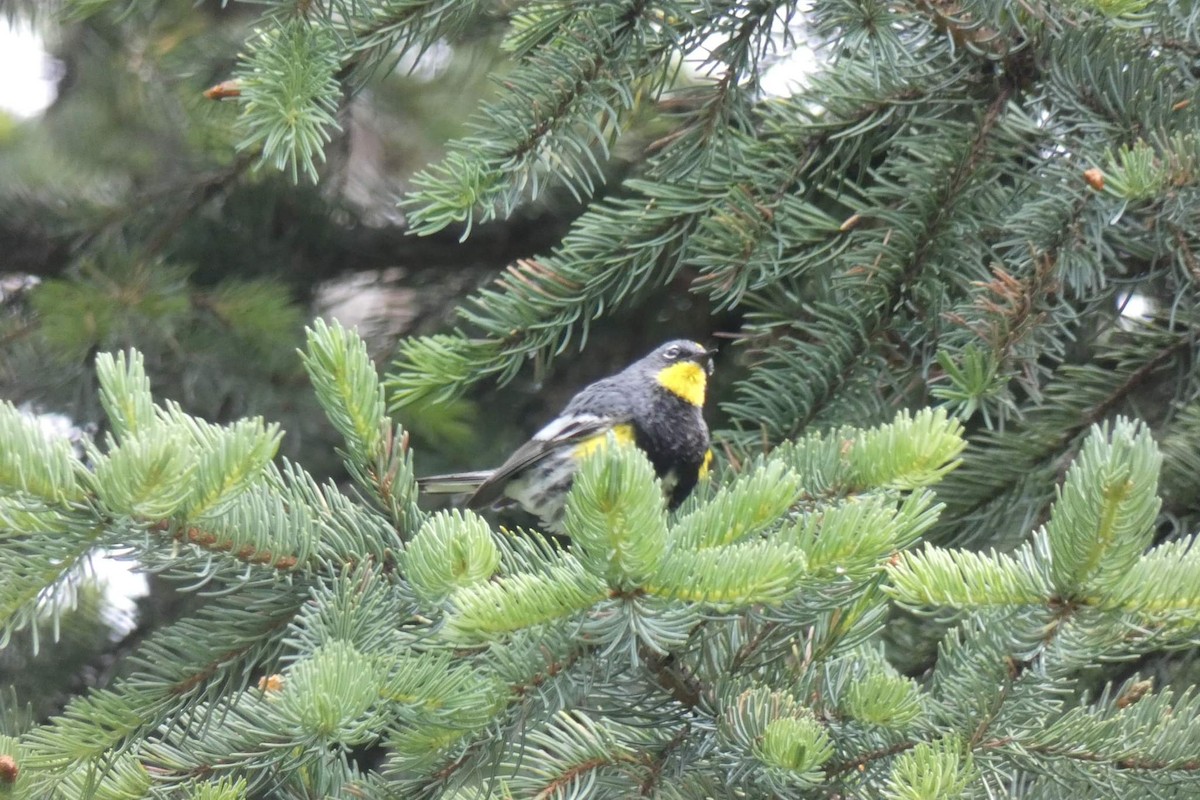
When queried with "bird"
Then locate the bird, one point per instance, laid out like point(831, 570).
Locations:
point(655, 403)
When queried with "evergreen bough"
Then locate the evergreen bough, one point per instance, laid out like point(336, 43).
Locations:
point(733, 648)
point(957, 208)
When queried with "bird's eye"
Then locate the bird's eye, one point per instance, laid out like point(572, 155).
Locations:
point(672, 353)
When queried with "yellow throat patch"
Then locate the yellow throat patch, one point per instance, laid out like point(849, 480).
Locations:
point(685, 379)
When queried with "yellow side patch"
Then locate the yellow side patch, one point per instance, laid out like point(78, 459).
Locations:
point(686, 379)
point(622, 433)
point(706, 465)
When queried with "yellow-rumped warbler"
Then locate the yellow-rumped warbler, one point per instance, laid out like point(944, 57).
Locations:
point(655, 402)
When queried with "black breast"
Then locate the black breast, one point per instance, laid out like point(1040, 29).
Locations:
point(675, 438)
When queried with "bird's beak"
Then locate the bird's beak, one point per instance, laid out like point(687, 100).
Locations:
point(705, 360)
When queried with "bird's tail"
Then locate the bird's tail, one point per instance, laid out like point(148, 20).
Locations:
point(454, 482)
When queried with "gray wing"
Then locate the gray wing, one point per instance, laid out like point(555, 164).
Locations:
point(566, 429)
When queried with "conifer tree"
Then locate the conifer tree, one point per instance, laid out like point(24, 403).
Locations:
point(958, 476)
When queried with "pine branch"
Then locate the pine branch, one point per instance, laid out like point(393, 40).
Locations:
point(839, 769)
point(614, 253)
point(656, 765)
point(245, 553)
point(349, 391)
point(570, 91)
point(451, 551)
point(1094, 734)
point(550, 299)
point(842, 337)
point(1181, 460)
point(707, 114)
point(616, 518)
point(1097, 758)
point(288, 89)
point(1160, 586)
point(1080, 398)
point(1103, 517)
point(39, 573)
point(956, 207)
point(215, 660)
point(379, 29)
point(966, 580)
point(1009, 316)
point(32, 465)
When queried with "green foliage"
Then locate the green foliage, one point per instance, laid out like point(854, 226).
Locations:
point(125, 392)
point(522, 600)
point(776, 730)
point(169, 462)
point(223, 789)
point(851, 537)
point(1069, 616)
point(843, 462)
point(12, 786)
point(124, 779)
point(1103, 518)
point(731, 576)
point(508, 626)
point(579, 75)
point(31, 463)
point(958, 206)
point(78, 314)
point(259, 314)
point(975, 385)
point(738, 640)
point(884, 699)
point(330, 695)
point(287, 89)
point(450, 551)
point(941, 769)
point(753, 501)
point(966, 579)
point(349, 392)
point(1091, 552)
point(62, 634)
point(347, 386)
point(616, 517)
point(1111, 722)
point(148, 476)
point(1159, 585)
point(209, 342)
point(910, 453)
